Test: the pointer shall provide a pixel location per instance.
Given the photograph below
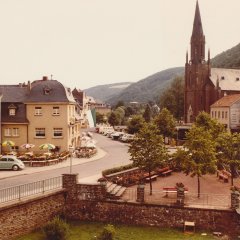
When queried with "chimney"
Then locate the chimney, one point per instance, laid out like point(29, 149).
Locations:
point(29, 86)
point(45, 78)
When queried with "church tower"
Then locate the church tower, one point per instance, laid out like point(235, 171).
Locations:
point(197, 72)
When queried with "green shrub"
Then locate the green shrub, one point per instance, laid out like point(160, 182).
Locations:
point(107, 233)
point(57, 229)
point(117, 169)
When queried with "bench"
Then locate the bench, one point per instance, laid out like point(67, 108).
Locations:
point(168, 172)
point(189, 225)
point(224, 175)
point(153, 178)
point(172, 190)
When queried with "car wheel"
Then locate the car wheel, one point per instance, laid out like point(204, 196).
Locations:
point(15, 168)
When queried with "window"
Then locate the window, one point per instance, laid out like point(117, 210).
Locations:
point(55, 110)
point(226, 114)
point(222, 114)
point(38, 111)
point(12, 112)
point(215, 114)
point(40, 132)
point(57, 132)
point(7, 132)
point(15, 132)
point(219, 114)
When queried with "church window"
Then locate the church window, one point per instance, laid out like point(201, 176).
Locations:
point(219, 113)
point(222, 114)
point(215, 114)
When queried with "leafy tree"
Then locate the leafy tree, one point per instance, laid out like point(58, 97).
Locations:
point(100, 118)
point(147, 115)
point(129, 111)
point(119, 104)
point(147, 150)
point(113, 119)
point(228, 145)
point(201, 154)
point(173, 98)
point(165, 123)
point(208, 124)
point(135, 124)
point(120, 112)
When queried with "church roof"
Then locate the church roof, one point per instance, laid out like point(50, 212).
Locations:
point(229, 79)
point(197, 24)
point(227, 101)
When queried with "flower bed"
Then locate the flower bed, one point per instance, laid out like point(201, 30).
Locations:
point(84, 152)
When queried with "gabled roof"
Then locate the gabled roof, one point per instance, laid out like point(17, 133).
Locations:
point(229, 79)
point(227, 101)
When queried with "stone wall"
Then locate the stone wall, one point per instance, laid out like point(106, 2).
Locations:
point(226, 221)
point(25, 216)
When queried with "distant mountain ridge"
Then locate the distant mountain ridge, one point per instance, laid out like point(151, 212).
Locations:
point(149, 88)
point(106, 91)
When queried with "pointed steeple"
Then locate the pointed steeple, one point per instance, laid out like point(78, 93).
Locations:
point(197, 39)
point(197, 24)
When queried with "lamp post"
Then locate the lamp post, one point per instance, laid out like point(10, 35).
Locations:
point(71, 148)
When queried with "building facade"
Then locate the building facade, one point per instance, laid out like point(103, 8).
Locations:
point(40, 112)
point(227, 111)
point(204, 85)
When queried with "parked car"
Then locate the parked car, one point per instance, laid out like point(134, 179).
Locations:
point(11, 162)
point(127, 138)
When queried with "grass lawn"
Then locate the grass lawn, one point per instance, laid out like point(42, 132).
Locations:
point(87, 231)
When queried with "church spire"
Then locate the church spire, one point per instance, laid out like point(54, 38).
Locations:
point(197, 24)
point(197, 39)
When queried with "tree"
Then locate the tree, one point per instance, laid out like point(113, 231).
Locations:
point(135, 124)
point(165, 123)
point(147, 115)
point(173, 98)
point(208, 124)
point(113, 119)
point(129, 111)
point(100, 118)
point(228, 145)
point(201, 154)
point(120, 112)
point(119, 104)
point(147, 150)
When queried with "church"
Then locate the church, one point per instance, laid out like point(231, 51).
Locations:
point(204, 85)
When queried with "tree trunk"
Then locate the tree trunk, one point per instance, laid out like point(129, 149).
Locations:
point(150, 181)
point(232, 174)
point(198, 186)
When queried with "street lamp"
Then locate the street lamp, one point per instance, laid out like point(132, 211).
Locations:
point(71, 148)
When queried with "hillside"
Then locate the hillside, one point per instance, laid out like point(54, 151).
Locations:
point(148, 88)
point(104, 92)
point(227, 59)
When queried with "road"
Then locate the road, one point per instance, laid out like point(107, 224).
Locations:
point(116, 155)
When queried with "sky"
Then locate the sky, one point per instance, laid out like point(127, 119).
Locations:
point(85, 43)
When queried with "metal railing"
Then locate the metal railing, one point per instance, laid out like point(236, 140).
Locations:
point(30, 189)
point(216, 201)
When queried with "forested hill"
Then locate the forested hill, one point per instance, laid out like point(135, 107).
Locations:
point(227, 59)
point(106, 91)
point(149, 88)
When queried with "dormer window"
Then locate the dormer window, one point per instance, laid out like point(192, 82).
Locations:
point(47, 90)
point(12, 110)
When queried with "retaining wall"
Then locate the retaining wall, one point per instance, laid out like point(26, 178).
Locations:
point(25, 216)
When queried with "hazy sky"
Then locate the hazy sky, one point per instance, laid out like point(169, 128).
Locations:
point(84, 43)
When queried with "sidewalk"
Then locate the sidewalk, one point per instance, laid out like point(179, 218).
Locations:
point(75, 161)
